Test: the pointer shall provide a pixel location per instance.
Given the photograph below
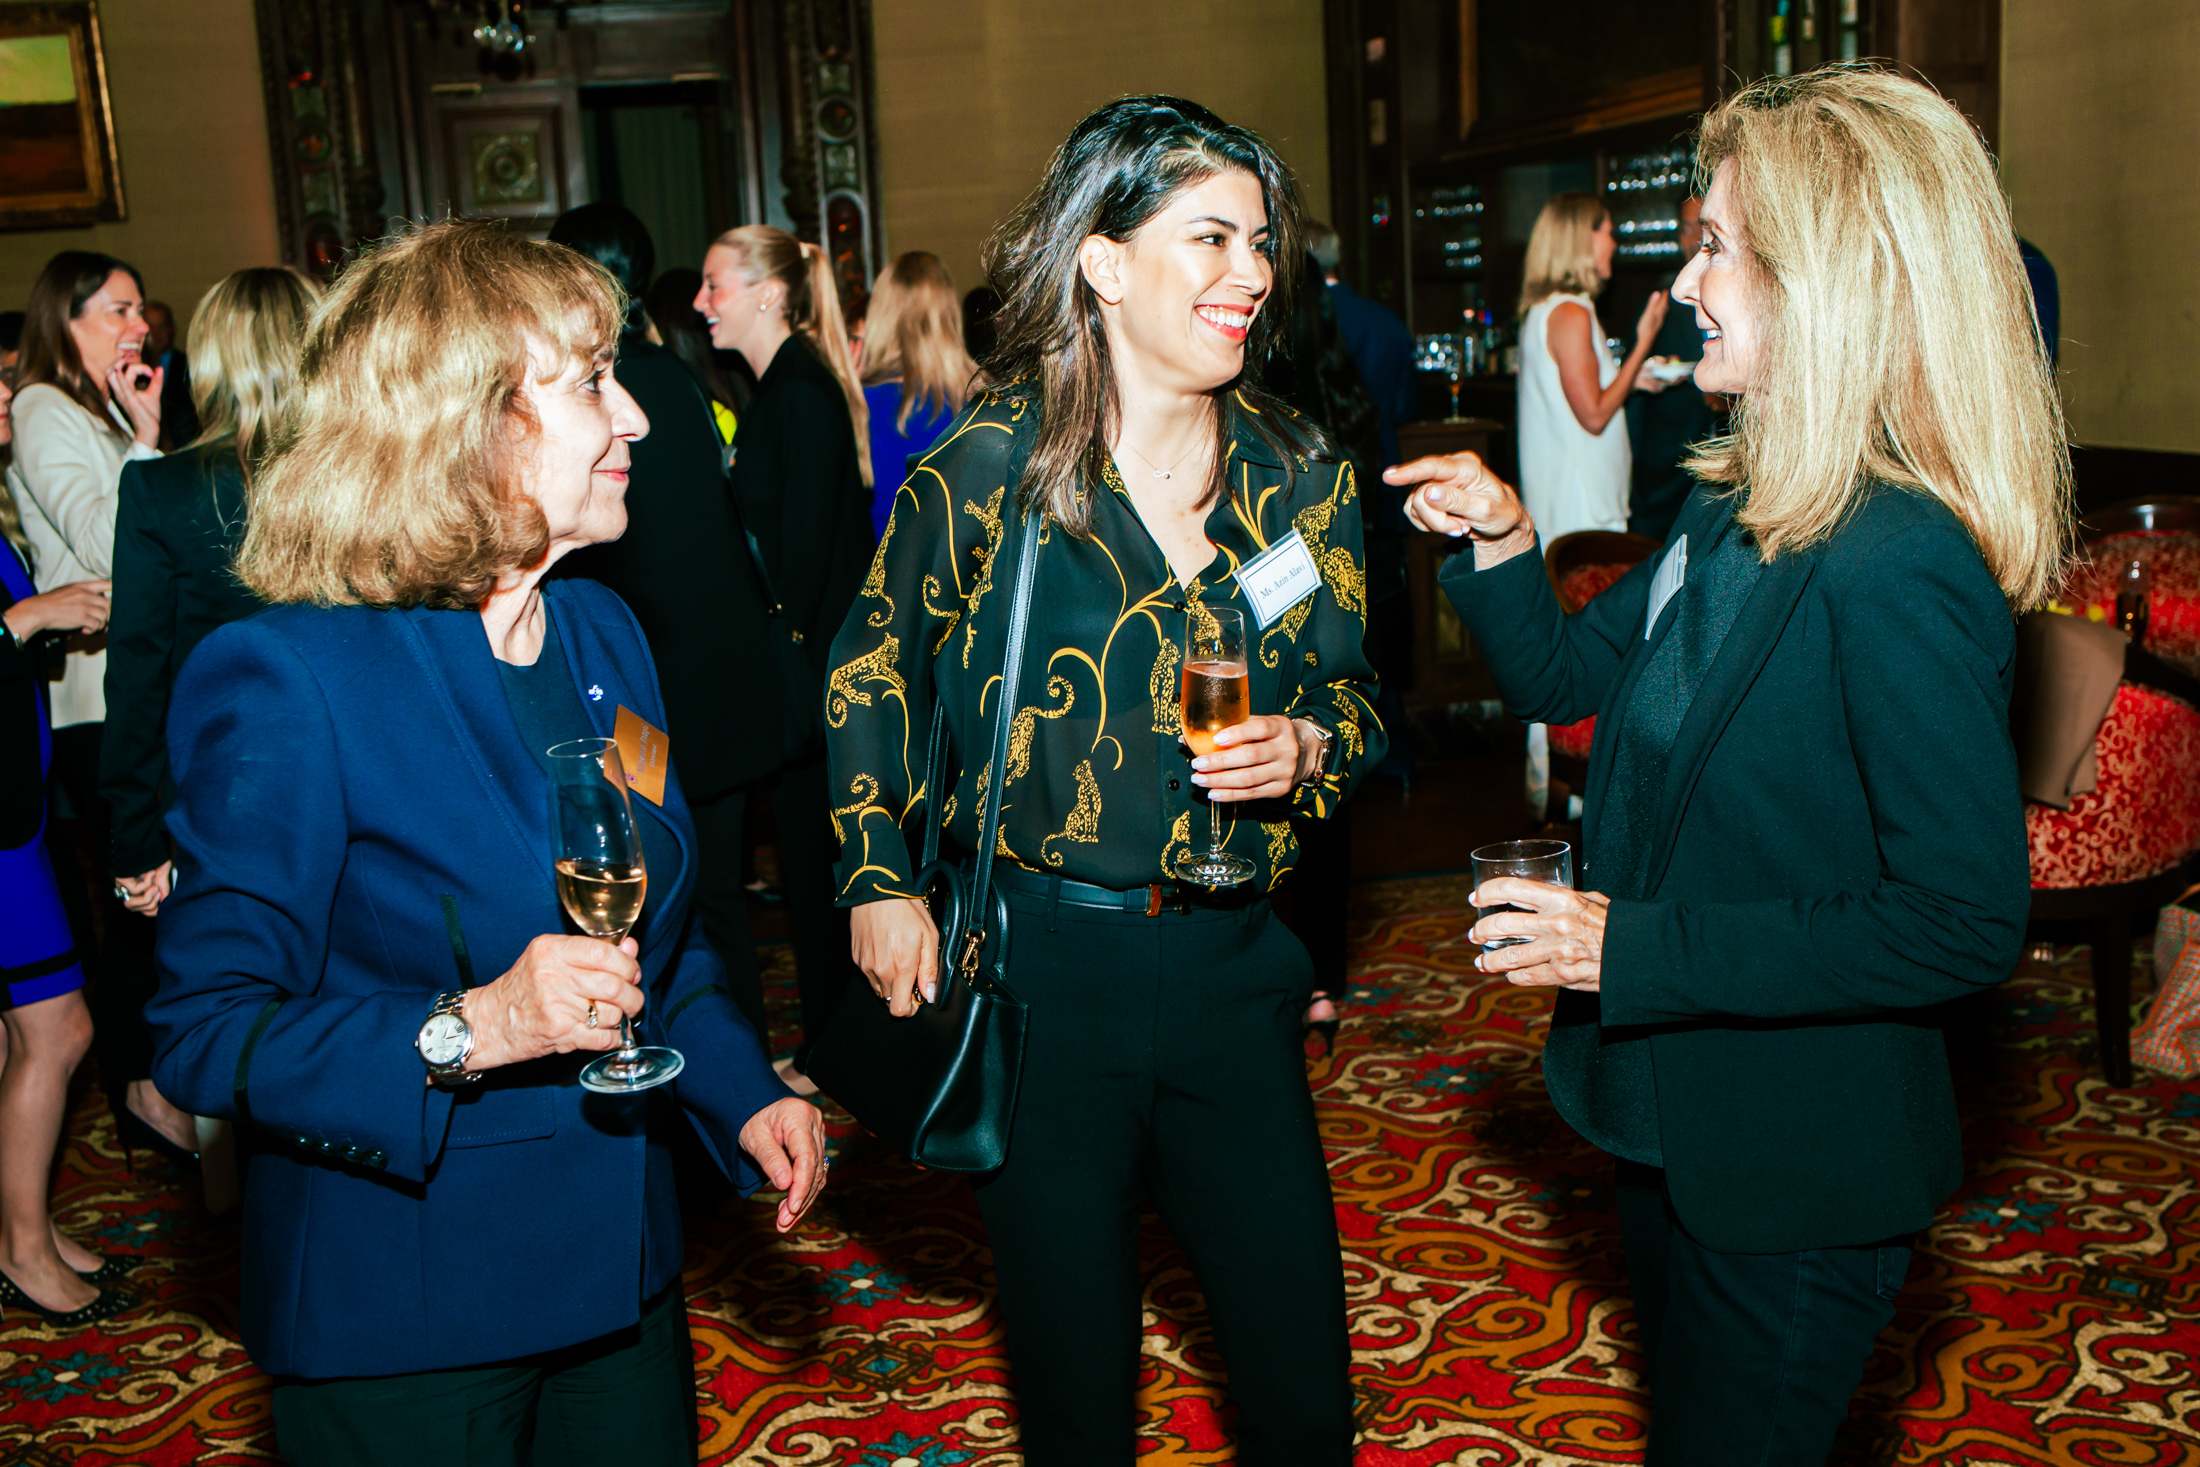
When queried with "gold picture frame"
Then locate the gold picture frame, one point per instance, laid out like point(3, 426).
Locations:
point(58, 164)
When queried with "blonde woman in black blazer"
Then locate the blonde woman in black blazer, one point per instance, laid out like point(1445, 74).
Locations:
point(1803, 824)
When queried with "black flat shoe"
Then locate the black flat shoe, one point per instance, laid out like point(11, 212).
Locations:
point(110, 1303)
point(134, 1131)
point(112, 1270)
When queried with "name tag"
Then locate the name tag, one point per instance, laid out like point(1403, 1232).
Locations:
point(1278, 579)
point(1672, 572)
point(646, 752)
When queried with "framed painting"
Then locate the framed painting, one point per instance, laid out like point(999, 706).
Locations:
point(57, 130)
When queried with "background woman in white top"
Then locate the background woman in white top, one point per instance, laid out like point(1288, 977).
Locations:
point(1574, 458)
point(86, 404)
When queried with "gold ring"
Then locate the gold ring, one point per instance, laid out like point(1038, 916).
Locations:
point(591, 1013)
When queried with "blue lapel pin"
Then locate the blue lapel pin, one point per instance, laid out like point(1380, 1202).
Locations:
point(595, 693)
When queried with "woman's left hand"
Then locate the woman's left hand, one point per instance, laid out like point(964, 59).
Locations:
point(787, 1139)
point(1565, 931)
point(1259, 759)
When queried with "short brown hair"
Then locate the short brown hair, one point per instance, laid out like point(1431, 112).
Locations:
point(391, 484)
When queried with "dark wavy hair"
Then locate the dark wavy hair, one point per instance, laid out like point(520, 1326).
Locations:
point(1119, 168)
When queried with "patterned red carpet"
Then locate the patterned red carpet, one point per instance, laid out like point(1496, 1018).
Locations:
point(2053, 1316)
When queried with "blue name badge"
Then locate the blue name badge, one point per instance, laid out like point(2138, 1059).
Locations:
point(1278, 579)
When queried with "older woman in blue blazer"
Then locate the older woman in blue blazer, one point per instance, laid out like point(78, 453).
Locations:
point(452, 1251)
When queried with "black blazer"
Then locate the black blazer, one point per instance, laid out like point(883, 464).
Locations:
point(177, 524)
point(1839, 845)
point(684, 570)
point(796, 480)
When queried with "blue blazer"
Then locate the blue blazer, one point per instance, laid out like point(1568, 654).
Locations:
point(357, 825)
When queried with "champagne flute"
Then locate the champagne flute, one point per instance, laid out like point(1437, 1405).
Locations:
point(601, 883)
point(1216, 697)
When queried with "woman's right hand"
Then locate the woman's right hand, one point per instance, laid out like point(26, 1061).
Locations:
point(897, 945)
point(1460, 496)
point(1652, 318)
point(80, 606)
point(540, 1007)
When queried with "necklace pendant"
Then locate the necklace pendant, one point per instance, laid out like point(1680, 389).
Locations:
point(1161, 473)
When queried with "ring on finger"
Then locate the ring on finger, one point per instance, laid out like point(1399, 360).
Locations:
point(591, 1013)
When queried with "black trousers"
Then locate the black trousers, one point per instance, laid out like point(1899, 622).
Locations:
point(1751, 1358)
point(1317, 893)
point(117, 942)
point(802, 810)
point(1163, 1059)
point(626, 1397)
point(722, 904)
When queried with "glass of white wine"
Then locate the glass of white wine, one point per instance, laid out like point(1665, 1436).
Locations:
point(601, 882)
point(1215, 698)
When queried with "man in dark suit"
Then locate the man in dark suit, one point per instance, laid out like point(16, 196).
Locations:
point(1662, 423)
point(683, 567)
point(179, 417)
point(1379, 342)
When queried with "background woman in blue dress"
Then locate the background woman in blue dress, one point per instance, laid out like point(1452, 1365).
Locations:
point(41, 982)
point(917, 373)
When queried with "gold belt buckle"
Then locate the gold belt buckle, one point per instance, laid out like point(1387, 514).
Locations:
point(1153, 899)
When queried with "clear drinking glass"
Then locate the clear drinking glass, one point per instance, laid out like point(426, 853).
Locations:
point(1216, 696)
point(601, 882)
point(1549, 861)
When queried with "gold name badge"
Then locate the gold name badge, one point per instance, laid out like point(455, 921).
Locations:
point(646, 751)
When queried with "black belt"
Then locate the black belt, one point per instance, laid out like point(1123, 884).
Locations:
point(1172, 897)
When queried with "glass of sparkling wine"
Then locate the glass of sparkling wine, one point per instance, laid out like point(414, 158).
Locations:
point(601, 882)
point(1215, 698)
point(1550, 861)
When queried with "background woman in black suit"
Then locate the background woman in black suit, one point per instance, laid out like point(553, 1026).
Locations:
point(684, 571)
point(177, 527)
point(801, 479)
point(1803, 822)
point(178, 521)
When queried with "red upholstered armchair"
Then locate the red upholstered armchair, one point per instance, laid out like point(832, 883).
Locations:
point(2126, 846)
point(1581, 566)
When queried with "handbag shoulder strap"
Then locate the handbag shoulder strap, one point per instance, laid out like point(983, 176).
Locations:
point(1004, 715)
point(1019, 617)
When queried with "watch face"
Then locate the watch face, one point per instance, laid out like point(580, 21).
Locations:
point(443, 1039)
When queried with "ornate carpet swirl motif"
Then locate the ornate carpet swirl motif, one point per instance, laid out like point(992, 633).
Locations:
point(2052, 1318)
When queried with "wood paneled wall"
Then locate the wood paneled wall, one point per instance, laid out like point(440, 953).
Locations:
point(974, 95)
point(2098, 140)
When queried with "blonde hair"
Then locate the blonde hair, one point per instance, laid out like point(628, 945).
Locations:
point(914, 331)
point(812, 308)
point(1561, 259)
point(393, 482)
point(1898, 341)
point(244, 342)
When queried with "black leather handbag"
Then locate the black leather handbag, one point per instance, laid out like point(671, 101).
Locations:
point(941, 1084)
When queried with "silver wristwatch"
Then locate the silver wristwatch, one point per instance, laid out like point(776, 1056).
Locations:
point(1328, 739)
point(446, 1041)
